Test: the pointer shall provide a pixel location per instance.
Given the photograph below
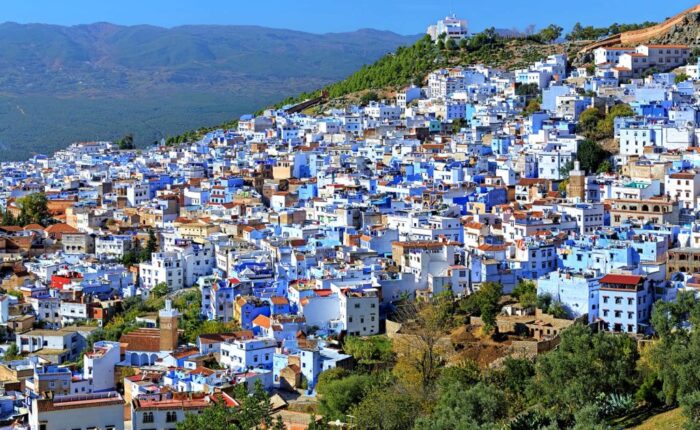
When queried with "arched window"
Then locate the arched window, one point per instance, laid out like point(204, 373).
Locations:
point(171, 417)
point(148, 417)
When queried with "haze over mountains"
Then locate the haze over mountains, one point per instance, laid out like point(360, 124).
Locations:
point(99, 81)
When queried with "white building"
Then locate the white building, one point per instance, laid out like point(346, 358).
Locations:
point(589, 216)
point(359, 312)
point(444, 83)
point(451, 27)
point(137, 194)
point(164, 411)
point(382, 112)
point(164, 267)
point(104, 411)
point(633, 140)
point(610, 54)
point(552, 164)
point(661, 57)
point(112, 246)
point(98, 365)
point(683, 187)
point(248, 354)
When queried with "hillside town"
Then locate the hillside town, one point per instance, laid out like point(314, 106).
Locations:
point(141, 286)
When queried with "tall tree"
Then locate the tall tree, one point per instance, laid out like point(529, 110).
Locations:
point(463, 407)
point(585, 366)
point(34, 208)
point(254, 412)
point(420, 351)
point(151, 246)
point(591, 155)
point(126, 142)
point(8, 218)
point(550, 33)
point(485, 303)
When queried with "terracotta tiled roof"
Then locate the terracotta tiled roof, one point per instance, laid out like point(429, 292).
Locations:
point(621, 279)
point(60, 228)
point(278, 300)
point(262, 321)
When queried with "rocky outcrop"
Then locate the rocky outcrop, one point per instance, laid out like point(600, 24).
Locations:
point(686, 32)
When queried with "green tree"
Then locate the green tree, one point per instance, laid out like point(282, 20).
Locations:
point(550, 33)
point(369, 96)
point(34, 208)
point(126, 142)
point(160, 290)
point(681, 77)
point(674, 355)
point(336, 397)
point(526, 293)
point(460, 407)
point(451, 45)
point(371, 350)
point(458, 124)
point(606, 127)
point(584, 366)
point(605, 167)
point(254, 412)
point(11, 353)
point(557, 310)
point(588, 122)
point(386, 408)
point(318, 424)
point(514, 379)
point(691, 410)
point(151, 246)
point(530, 90)
point(591, 155)
point(466, 373)
point(8, 218)
point(532, 107)
point(485, 303)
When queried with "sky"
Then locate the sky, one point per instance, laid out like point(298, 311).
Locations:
point(322, 16)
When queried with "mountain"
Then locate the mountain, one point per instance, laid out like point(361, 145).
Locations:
point(99, 81)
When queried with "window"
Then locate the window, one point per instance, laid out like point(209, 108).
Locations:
point(171, 417)
point(148, 417)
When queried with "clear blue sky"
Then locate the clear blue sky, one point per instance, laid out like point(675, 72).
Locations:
point(319, 16)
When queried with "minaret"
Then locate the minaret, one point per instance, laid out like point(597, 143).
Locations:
point(168, 327)
point(577, 183)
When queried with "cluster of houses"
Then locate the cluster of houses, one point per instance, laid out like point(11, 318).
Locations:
point(300, 230)
point(625, 63)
